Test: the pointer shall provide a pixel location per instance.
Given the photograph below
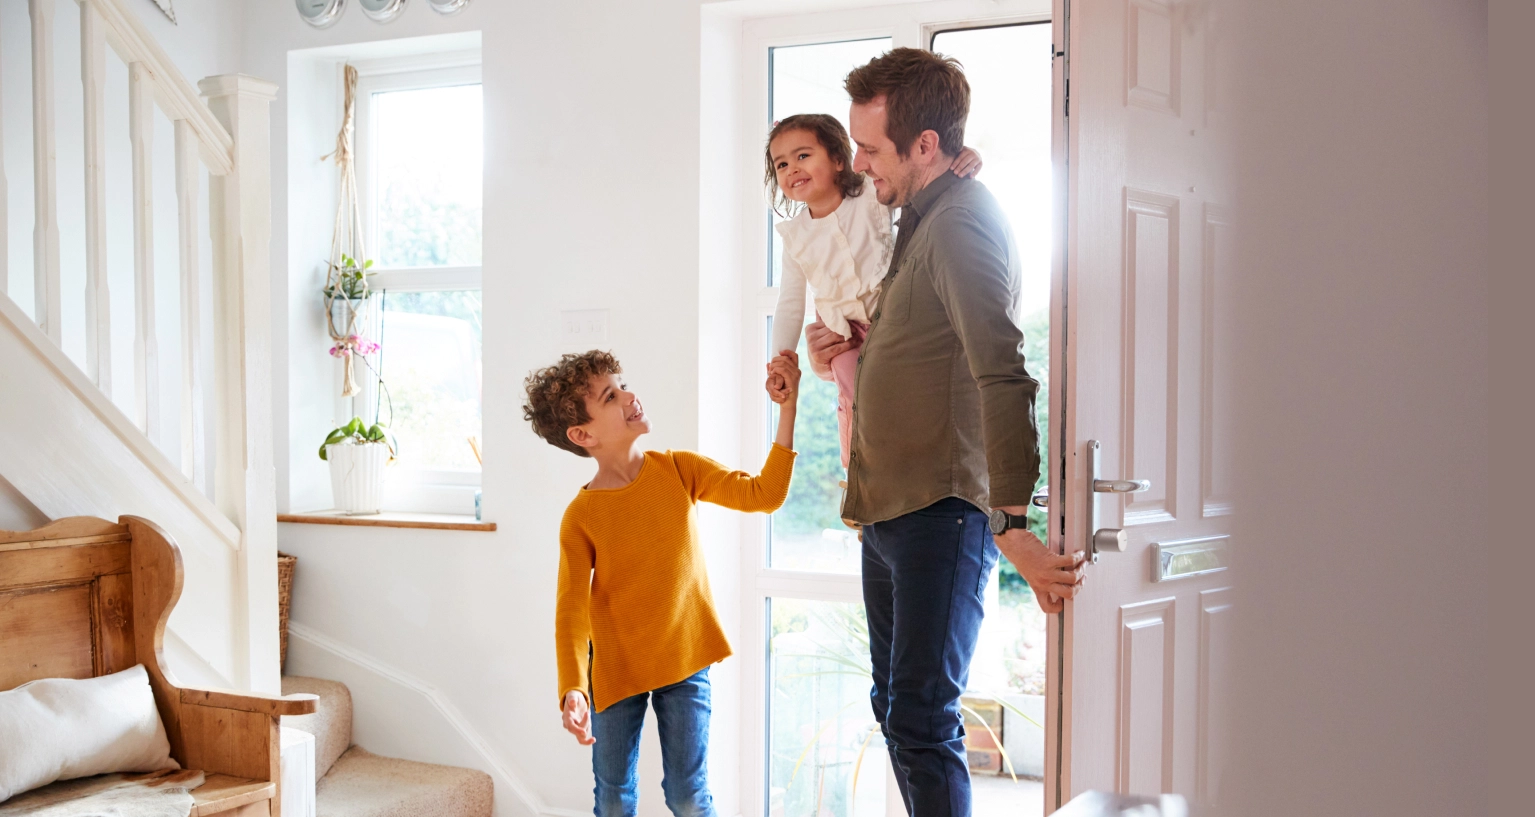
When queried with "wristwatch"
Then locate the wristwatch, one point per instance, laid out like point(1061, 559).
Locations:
point(1002, 522)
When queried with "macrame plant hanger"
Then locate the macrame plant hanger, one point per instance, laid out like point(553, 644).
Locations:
point(346, 285)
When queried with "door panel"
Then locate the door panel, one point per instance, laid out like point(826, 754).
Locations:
point(1147, 243)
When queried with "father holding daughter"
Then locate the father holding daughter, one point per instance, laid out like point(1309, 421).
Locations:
point(942, 424)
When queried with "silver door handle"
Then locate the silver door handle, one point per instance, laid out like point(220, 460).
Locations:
point(1104, 539)
point(1042, 498)
point(1121, 486)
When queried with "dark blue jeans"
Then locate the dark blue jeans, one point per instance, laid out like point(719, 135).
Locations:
point(924, 579)
point(682, 719)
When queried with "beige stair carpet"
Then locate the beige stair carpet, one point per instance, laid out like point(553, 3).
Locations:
point(362, 784)
point(331, 723)
point(353, 782)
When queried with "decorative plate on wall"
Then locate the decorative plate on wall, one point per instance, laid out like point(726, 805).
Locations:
point(165, 6)
point(319, 13)
point(448, 6)
point(382, 10)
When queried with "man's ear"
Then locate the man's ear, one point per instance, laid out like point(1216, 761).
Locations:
point(928, 144)
point(580, 436)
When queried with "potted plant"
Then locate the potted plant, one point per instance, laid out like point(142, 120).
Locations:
point(346, 298)
point(357, 454)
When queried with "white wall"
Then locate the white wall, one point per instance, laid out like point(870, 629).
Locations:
point(1362, 382)
point(16, 513)
point(591, 201)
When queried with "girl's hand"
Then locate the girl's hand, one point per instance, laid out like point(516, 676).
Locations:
point(578, 718)
point(783, 378)
point(967, 163)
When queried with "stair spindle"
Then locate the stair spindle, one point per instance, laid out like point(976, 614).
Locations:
point(146, 348)
point(98, 311)
point(187, 167)
point(45, 232)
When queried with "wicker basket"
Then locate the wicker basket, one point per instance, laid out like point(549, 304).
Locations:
point(285, 565)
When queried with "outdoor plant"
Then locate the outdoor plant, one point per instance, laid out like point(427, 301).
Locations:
point(350, 280)
point(355, 433)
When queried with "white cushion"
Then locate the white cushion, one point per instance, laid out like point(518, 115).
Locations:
point(60, 729)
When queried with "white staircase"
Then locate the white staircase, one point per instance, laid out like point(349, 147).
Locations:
point(75, 437)
point(353, 782)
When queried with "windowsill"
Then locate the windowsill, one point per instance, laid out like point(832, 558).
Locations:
point(390, 519)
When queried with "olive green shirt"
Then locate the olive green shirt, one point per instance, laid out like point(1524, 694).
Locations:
point(943, 406)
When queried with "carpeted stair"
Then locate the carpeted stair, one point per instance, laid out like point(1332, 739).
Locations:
point(353, 782)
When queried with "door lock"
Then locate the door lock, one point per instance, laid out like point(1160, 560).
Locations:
point(1106, 539)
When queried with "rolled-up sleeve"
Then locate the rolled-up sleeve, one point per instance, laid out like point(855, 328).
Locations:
point(970, 273)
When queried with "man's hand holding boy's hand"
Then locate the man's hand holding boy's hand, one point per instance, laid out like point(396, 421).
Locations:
point(783, 378)
point(578, 718)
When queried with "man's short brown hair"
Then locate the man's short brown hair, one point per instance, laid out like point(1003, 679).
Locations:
point(557, 396)
point(922, 90)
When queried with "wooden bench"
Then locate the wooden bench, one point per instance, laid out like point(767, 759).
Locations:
point(83, 597)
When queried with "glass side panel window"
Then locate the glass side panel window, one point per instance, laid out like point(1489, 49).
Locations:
point(431, 363)
point(826, 755)
point(807, 533)
point(808, 79)
point(427, 158)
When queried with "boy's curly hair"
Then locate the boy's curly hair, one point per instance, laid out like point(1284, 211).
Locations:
point(557, 396)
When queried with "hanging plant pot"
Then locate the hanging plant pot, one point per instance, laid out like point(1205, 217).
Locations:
point(357, 475)
point(345, 317)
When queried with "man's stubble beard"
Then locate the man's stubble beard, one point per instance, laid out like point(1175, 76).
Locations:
point(899, 187)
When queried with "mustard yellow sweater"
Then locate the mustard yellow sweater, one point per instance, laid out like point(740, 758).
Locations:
point(633, 584)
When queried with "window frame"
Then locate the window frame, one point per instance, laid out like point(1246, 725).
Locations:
point(417, 490)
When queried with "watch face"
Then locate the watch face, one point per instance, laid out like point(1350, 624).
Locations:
point(320, 13)
point(998, 522)
point(382, 10)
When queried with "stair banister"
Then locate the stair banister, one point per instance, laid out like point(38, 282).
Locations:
point(240, 212)
point(234, 478)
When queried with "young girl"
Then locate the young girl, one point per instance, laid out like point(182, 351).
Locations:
point(837, 240)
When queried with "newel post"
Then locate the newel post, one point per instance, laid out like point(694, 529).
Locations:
point(245, 485)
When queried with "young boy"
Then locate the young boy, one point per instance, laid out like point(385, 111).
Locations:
point(634, 619)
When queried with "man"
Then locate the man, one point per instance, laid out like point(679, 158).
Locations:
point(943, 423)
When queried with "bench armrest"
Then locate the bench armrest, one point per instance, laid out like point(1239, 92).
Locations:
point(300, 703)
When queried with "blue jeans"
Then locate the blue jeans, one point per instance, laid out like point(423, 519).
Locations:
point(682, 718)
point(924, 579)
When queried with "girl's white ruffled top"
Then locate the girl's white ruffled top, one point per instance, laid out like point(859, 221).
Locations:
point(843, 257)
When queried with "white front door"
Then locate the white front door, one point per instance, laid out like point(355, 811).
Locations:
point(1146, 239)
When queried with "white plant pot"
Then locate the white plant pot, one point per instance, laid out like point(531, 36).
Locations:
point(357, 476)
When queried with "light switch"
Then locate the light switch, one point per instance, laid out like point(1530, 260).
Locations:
point(584, 328)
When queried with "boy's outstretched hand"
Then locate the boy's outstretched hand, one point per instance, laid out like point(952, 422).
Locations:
point(783, 378)
point(578, 718)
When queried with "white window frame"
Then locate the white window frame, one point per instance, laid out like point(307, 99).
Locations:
point(419, 490)
point(908, 25)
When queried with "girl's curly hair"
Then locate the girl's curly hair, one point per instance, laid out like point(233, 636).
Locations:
point(557, 396)
point(833, 137)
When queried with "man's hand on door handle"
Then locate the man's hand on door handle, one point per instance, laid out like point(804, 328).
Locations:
point(1053, 577)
